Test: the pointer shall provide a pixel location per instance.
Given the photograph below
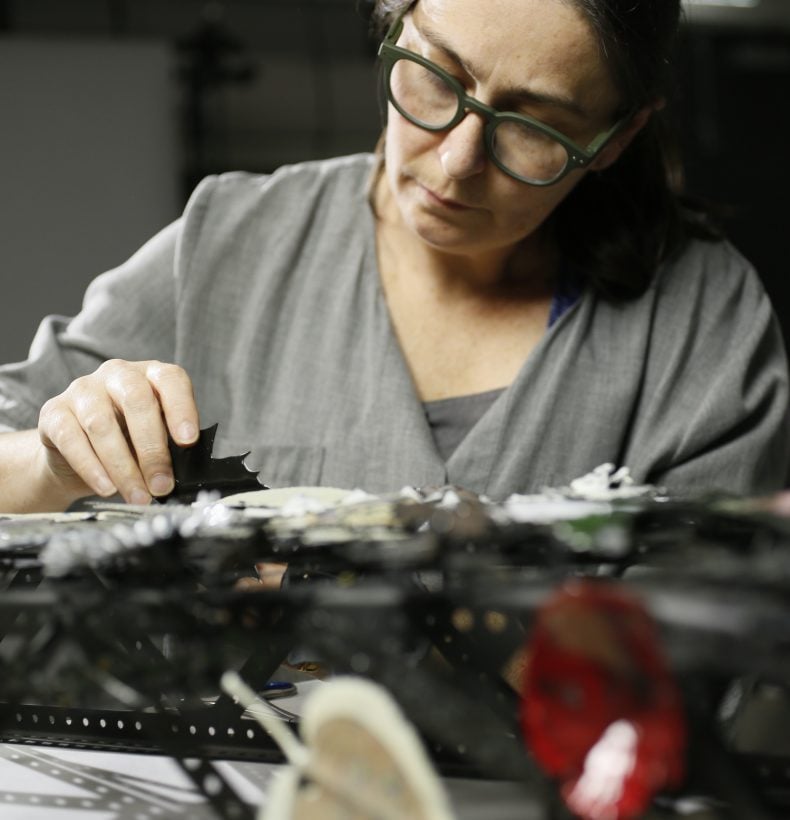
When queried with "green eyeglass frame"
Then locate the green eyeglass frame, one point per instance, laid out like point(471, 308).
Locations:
point(578, 157)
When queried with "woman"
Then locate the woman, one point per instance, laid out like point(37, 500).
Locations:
point(509, 295)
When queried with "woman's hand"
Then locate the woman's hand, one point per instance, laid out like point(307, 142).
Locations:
point(107, 432)
point(270, 576)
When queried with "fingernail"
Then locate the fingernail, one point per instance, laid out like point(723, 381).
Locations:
point(104, 486)
point(187, 431)
point(161, 484)
point(139, 497)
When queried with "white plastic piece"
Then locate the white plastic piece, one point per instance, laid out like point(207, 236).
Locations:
point(277, 498)
point(360, 754)
point(382, 752)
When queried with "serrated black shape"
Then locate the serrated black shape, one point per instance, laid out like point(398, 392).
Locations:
point(195, 470)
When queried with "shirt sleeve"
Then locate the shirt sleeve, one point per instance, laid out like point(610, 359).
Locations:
point(127, 313)
point(715, 395)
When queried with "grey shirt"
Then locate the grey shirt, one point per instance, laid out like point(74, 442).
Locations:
point(451, 419)
point(267, 292)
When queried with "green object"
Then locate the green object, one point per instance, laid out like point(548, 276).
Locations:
point(520, 146)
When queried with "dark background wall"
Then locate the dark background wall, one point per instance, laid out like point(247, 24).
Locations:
point(113, 109)
point(734, 114)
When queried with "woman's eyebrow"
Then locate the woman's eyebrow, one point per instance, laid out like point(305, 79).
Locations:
point(518, 94)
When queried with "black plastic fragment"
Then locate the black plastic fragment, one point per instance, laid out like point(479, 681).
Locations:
point(195, 471)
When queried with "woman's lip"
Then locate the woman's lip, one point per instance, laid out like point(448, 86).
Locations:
point(447, 203)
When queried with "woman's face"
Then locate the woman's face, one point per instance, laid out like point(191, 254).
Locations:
point(537, 57)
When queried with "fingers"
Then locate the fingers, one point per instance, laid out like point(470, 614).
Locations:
point(100, 406)
point(70, 454)
point(139, 462)
point(110, 428)
point(174, 389)
point(248, 585)
point(270, 576)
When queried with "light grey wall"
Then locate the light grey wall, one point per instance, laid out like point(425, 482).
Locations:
point(89, 168)
point(96, 141)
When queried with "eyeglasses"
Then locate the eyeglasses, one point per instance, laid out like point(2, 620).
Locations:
point(521, 146)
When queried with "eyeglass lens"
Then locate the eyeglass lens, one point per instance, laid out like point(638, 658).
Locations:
point(428, 100)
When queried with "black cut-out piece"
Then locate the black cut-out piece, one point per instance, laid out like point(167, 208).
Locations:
point(195, 470)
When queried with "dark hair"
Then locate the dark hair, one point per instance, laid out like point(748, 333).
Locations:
point(619, 224)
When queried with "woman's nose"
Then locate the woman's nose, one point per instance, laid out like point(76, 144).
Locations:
point(462, 152)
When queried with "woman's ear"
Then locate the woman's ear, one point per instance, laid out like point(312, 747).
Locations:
point(621, 141)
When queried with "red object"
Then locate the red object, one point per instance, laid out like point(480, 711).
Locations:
point(601, 712)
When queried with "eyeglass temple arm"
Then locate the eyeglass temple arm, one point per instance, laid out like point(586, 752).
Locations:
point(395, 29)
point(602, 139)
